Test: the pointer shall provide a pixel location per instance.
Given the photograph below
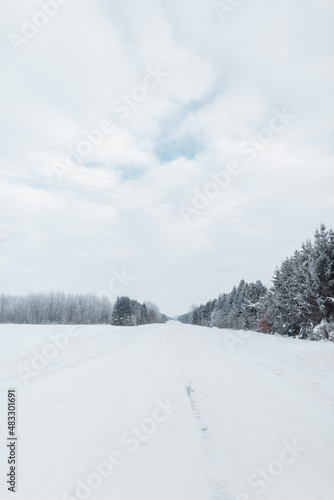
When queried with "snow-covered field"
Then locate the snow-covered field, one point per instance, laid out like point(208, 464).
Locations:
point(167, 412)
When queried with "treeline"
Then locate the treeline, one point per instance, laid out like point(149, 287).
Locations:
point(129, 312)
point(239, 309)
point(300, 302)
point(75, 309)
point(55, 308)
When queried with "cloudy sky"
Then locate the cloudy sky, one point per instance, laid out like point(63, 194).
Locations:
point(162, 149)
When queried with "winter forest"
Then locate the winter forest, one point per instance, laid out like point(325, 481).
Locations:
point(72, 309)
point(299, 303)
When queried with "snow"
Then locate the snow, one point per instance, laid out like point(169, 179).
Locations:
point(221, 414)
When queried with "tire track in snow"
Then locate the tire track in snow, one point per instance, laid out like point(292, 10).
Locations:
point(212, 462)
point(213, 468)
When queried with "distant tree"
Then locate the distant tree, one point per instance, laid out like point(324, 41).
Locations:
point(55, 308)
point(127, 312)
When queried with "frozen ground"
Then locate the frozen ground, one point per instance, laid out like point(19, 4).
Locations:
point(168, 412)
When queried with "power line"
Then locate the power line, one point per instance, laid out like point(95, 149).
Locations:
point(81, 172)
point(135, 196)
point(81, 237)
point(158, 208)
point(183, 227)
point(81, 254)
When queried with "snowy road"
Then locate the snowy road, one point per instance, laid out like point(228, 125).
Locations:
point(170, 412)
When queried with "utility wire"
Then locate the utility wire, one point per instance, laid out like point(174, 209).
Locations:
point(81, 237)
point(81, 172)
point(121, 219)
point(135, 196)
point(157, 207)
point(80, 253)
